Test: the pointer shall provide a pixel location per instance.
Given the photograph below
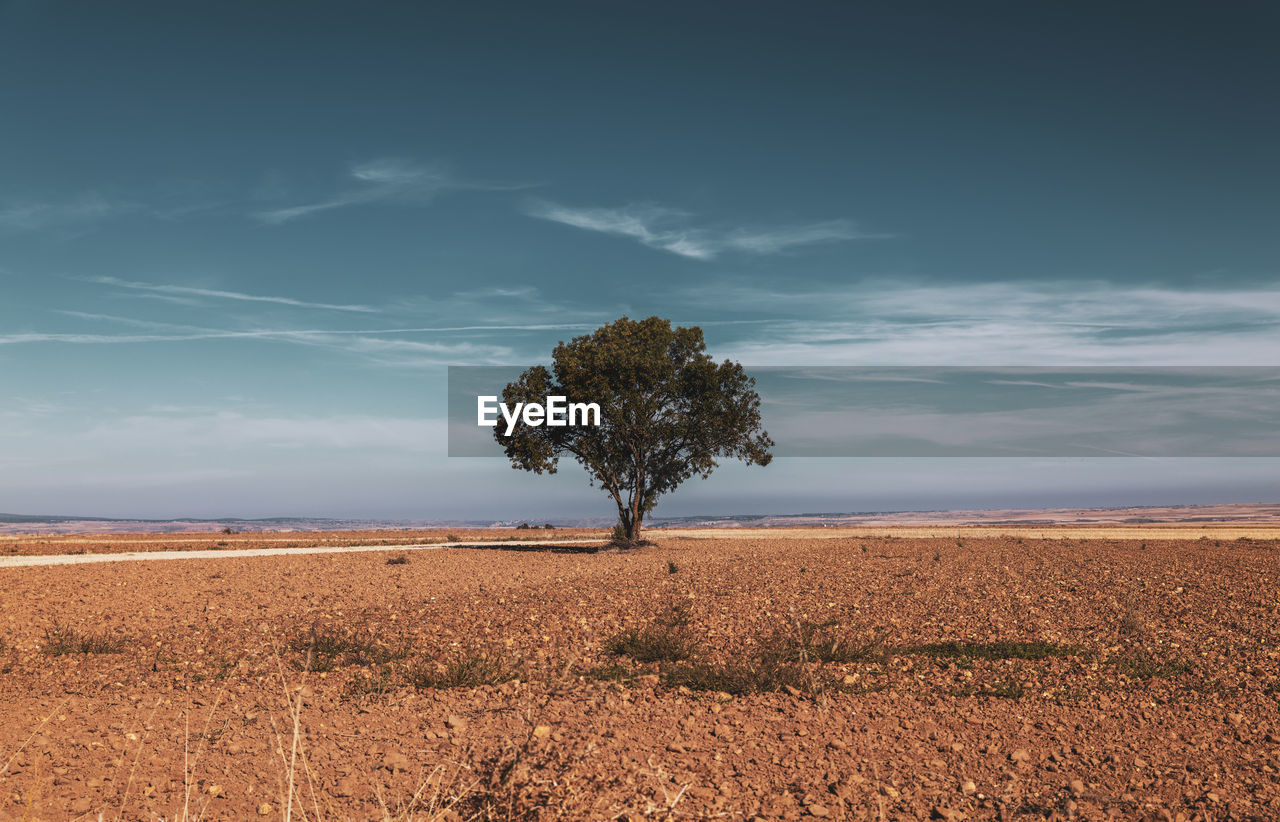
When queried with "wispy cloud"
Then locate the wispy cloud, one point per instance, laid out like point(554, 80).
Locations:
point(673, 230)
point(233, 430)
point(364, 342)
point(1179, 413)
point(999, 323)
point(776, 240)
point(183, 291)
point(72, 214)
point(872, 322)
point(385, 180)
point(427, 333)
point(381, 346)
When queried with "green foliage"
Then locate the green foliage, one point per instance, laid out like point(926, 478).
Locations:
point(668, 413)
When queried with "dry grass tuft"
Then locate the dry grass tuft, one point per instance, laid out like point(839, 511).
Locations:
point(470, 670)
point(822, 642)
point(749, 677)
point(992, 651)
point(669, 638)
point(324, 648)
point(60, 640)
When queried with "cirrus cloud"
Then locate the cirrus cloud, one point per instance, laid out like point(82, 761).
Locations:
point(672, 230)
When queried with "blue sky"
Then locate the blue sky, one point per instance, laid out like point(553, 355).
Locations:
point(239, 244)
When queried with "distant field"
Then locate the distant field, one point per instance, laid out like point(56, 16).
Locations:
point(49, 544)
point(119, 543)
point(1220, 515)
point(783, 674)
point(1036, 531)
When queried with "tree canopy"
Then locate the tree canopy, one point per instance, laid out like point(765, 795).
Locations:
point(668, 412)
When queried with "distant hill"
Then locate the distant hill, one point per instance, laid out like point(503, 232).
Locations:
point(55, 519)
point(42, 518)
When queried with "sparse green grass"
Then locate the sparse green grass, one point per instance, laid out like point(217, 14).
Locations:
point(704, 677)
point(1143, 665)
point(379, 683)
point(671, 641)
point(60, 640)
point(1130, 624)
point(755, 676)
point(611, 673)
point(864, 688)
point(820, 642)
point(1003, 649)
point(669, 638)
point(470, 670)
point(787, 659)
point(389, 664)
point(327, 648)
point(1000, 689)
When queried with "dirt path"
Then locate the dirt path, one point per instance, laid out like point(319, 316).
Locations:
point(228, 553)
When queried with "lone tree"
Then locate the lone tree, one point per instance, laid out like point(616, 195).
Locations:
point(668, 412)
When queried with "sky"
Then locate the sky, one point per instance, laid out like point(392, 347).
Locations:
point(241, 243)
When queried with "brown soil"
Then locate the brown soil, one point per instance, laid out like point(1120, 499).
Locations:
point(1085, 678)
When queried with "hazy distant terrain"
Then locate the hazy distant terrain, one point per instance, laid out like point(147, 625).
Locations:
point(1250, 513)
point(1246, 513)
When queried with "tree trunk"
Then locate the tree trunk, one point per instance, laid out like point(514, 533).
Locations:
point(630, 520)
point(637, 516)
